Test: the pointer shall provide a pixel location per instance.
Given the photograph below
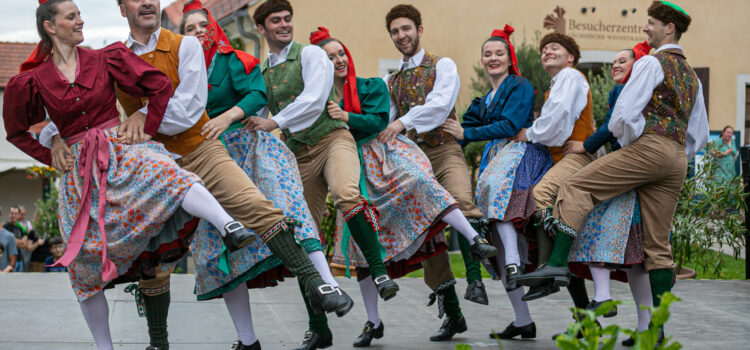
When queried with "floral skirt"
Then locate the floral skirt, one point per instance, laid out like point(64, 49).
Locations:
point(273, 168)
point(611, 236)
point(401, 184)
point(146, 228)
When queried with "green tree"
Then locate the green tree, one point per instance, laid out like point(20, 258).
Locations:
point(530, 63)
point(600, 85)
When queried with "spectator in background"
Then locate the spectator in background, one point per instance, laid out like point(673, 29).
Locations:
point(26, 241)
point(726, 155)
point(57, 249)
point(10, 255)
point(22, 219)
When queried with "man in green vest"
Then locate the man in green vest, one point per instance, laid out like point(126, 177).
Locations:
point(299, 83)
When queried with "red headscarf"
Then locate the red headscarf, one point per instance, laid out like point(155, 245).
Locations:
point(505, 34)
point(351, 97)
point(39, 54)
point(639, 50)
point(216, 40)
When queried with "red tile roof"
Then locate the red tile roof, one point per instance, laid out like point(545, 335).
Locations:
point(219, 9)
point(11, 57)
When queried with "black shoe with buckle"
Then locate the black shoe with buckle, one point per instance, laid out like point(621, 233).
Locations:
point(512, 272)
point(526, 332)
point(475, 292)
point(152, 347)
point(560, 276)
point(329, 298)
point(450, 327)
point(239, 346)
point(540, 292)
point(237, 236)
point(368, 333)
point(314, 340)
point(386, 287)
point(482, 249)
point(593, 305)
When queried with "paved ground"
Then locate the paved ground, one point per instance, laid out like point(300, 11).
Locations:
point(40, 312)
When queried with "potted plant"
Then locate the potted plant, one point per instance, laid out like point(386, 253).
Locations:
point(709, 219)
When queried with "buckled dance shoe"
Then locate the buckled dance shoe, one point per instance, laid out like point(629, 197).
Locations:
point(329, 298)
point(540, 292)
point(368, 333)
point(559, 276)
point(237, 236)
point(386, 287)
point(314, 340)
point(482, 249)
point(512, 273)
point(593, 305)
point(239, 346)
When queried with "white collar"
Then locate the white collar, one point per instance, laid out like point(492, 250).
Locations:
point(560, 74)
point(153, 38)
point(283, 53)
point(413, 60)
point(669, 46)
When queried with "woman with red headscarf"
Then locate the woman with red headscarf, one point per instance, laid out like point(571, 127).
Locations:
point(236, 91)
point(610, 242)
point(396, 177)
point(509, 169)
point(138, 192)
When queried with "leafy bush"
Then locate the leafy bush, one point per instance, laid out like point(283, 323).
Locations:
point(709, 215)
point(600, 85)
point(46, 214)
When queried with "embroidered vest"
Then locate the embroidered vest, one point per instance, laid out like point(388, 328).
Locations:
point(583, 128)
point(672, 102)
point(165, 58)
point(283, 84)
point(409, 88)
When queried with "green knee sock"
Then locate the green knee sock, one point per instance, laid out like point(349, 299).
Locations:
point(661, 281)
point(450, 302)
point(473, 271)
point(367, 240)
point(157, 309)
point(561, 250)
point(577, 291)
point(317, 322)
point(544, 244)
point(294, 257)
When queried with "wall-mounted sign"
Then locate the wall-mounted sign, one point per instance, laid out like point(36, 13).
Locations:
point(589, 27)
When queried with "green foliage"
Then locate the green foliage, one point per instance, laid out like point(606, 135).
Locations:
point(328, 225)
point(597, 338)
point(237, 44)
point(600, 85)
point(709, 215)
point(46, 215)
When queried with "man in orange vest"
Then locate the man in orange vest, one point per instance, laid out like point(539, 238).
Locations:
point(181, 59)
point(567, 115)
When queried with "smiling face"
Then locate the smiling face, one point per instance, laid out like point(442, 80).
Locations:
point(141, 14)
point(405, 35)
point(622, 64)
point(277, 29)
point(337, 55)
point(67, 27)
point(555, 57)
point(195, 25)
point(727, 134)
point(495, 58)
point(657, 31)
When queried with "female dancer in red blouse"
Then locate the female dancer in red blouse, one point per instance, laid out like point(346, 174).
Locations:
point(142, 200)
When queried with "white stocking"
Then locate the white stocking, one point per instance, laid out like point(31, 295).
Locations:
point(238, 304)
point(321, 265)
point(600, 275)
point(200, 203)
point(521, 314)
point(458, 221)
point(96, 312)
point(640, 286)
point(370, 298)
point(509, 237)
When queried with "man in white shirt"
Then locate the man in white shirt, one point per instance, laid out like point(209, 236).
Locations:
point(299, 83)
point(567, 114)
point(181, 59)
point(423, 94)
point(660, 120)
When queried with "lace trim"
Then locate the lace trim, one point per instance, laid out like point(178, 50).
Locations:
point(283, 225)
point(439, 297)
point(371, 214)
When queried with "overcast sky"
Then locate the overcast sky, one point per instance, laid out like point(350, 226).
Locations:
point(102, 21)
